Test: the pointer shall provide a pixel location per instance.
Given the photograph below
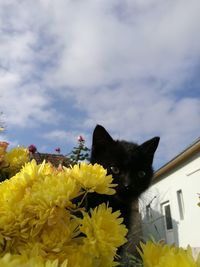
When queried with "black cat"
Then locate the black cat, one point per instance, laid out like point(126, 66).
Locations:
point(130, 165)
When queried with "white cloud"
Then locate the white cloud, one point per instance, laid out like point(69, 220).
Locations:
point(27, 106)
point(122, 62)
point(158, 41)
point(137, 115)
point(66, 137)
point(24, 98)
point(128, 71)
point(57, 135)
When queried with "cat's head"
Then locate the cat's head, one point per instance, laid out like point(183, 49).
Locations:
point(130, 164)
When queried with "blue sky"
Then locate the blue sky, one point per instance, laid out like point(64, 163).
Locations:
point(130, 65)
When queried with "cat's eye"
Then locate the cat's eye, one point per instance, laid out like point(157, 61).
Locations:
point(141, 174)
point(114, 170)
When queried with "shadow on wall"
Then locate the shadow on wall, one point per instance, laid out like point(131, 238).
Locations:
point(152, 226)
point(158, 226)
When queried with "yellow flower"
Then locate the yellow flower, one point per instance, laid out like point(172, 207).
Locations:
point(60, 230)
point(16, 158)
point(93, 178)
point(104, 233)
point(164, 255)
point(33, 203)
point(77, 258)
point(9, 260)
point(40, 220)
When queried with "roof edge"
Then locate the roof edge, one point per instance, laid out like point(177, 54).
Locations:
point(185, 154)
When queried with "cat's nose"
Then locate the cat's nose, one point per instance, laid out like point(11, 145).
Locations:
point(126, 182)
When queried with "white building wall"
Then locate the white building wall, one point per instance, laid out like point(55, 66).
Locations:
point(187, 231)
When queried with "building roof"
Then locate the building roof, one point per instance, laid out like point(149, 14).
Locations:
point(180, 158)
point(54, 159)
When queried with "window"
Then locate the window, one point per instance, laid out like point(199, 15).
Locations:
point(167, 215)
point(180, 204)
point(148, 212)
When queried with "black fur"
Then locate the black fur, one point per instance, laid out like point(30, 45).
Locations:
point(130, 165)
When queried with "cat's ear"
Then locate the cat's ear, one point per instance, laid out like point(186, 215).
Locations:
point(149, 147)
point(101, 137)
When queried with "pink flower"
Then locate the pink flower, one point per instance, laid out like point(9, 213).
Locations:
point(57, 149)
point(80, 138)
point(32, 149)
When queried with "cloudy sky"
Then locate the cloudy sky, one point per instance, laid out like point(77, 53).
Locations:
point(130, 65)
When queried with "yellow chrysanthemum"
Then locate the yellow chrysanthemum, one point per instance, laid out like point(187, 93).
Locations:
point(104, 232)
point(16, 158)
point(164, 255)
point(93, 178)
point(34, 203)
point(77, 258)
point(39, 219)
point(9, 260)
point(60, 230)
